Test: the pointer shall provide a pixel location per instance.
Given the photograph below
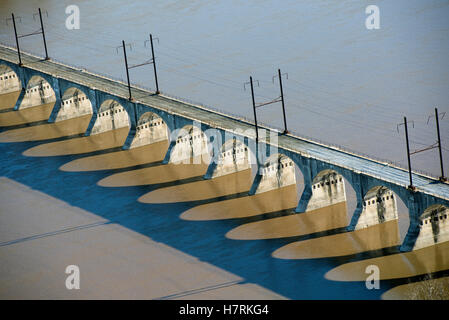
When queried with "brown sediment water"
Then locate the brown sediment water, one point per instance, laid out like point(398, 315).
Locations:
point(27, 115)
point(201, 190)
point(153, 175)
point(8, 100)
point(101, 141)
point(401, 265)
point(327, 218)
point(429, 289)
point(270, 201)
point(137, 266)
point(120, 159)
point(47, 131)
point(376, 237)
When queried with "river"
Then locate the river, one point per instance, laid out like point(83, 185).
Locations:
point(346, 84)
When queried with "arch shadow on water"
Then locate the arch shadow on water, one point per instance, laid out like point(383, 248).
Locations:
point(203, 239)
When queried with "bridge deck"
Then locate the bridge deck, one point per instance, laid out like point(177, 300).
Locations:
point(296, 144)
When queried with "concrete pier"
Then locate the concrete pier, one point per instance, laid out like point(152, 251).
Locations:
point(74, 104)
point(278, 172)
point(379, 206)
point(150, 129)
point(111, 116)
point(9, 81)
point(433, 227)
point(190, 146)
point(328, 188)
point(234, 157)
point(37, 92)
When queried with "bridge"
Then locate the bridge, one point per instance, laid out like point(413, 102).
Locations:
point(190, 129)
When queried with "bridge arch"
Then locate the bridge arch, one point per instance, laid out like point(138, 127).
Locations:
point(433, 226)
point(279, 174)
point(151, 128)
point(189, 145)
point(379, 206)
point(74, 103)
point(278, 171)
point(234, 156)
point(37, 92)
point(9, 80)
point(111, 116)
point(328, 188)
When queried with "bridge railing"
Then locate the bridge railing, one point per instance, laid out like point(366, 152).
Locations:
point(235, 116)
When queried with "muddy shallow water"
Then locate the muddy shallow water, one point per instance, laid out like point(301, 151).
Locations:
point(258, 237)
